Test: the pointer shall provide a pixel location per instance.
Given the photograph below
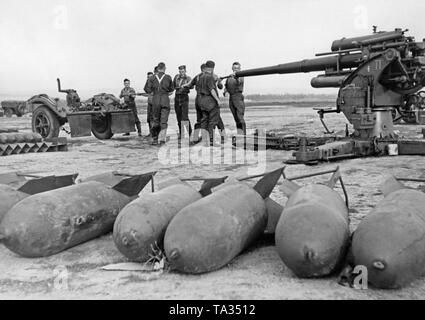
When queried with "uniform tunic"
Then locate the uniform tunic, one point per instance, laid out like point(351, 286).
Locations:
point(149, 111)
point(181, 101)
point(130, 102)
point(234, 87)
point(160, 86)
point(208, 105)
point(195, 84)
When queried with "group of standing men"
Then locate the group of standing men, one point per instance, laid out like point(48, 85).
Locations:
point(159, 86)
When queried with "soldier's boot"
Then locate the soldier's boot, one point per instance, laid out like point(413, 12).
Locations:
point(162, 137)
point(139, 129)
point(195, 136)
point(223, 136)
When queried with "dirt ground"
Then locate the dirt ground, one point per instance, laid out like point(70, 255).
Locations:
point(256, 274)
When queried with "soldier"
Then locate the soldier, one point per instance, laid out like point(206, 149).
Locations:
point(181, 100)
point(194, 83)
point(149, 109)
point(209, 103)
point(160, 85)
point(234, 86)
point(220, 124)
point(129, 95)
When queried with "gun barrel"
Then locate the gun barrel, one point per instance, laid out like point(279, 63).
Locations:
point(319, 64)
point(357, 42)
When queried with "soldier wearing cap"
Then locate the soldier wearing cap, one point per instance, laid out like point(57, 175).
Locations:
point(181, 100)
point(209, 103)
point(234, 86)
point(129, 95)
point(161, 86)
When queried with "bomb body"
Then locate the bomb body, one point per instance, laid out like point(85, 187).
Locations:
point(142, 223)
point(209, 233)
point(50, 222)
point(313, 232)
point(8, 198)
point(390, 240)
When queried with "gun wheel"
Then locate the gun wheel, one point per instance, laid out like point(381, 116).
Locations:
point(101, 127)
point(45, 123)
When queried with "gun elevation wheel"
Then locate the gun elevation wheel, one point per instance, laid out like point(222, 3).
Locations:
point(101, 127)
point(45, 123)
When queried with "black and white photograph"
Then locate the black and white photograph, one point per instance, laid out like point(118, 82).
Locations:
point(228, 150)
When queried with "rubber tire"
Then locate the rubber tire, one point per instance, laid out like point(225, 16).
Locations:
point(52, 119)
point(8, 112)
point(101, 129)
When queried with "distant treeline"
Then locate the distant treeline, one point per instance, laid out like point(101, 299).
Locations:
point(289, 97)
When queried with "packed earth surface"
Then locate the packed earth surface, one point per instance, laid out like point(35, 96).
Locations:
point(258, 273)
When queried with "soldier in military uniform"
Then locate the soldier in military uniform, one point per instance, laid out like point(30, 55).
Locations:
point(129, 95)
point(160, 85)
point(234, 86)
point(209, 103)
point(194, 83)
point(149, 109)
point(220, 124)
point(181, 100)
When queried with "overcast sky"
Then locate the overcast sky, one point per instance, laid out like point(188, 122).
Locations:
point(92, 45)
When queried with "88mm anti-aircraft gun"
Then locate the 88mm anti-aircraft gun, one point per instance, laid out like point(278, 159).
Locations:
point(103, 115)
point(377, 75)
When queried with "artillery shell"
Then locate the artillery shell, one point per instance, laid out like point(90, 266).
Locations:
point(21, 137)
point(209, 233)
point(11, 137)
point(390, 241)
point(50, 222)
point(312, 234)
point(3, 138)
point(142, 223)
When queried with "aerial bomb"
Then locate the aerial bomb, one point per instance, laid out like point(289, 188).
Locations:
point(207, 234)
point(50, 222)
point(16, 189)
point(140, 227)
point(390, 240)
point(312, 234)
point(273, 209)
point(142, 223)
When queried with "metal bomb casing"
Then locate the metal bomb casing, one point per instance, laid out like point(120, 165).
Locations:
point(9, 196)
point(142, 223)
point(50, 222)
point(209, 233)
point(313, 232)
point(390, 240)
point(17, 188)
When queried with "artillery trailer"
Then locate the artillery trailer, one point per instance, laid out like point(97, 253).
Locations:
point(103, 115)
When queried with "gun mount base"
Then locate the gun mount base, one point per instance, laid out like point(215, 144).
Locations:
point(313, 150)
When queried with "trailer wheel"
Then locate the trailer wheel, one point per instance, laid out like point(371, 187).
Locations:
point(8, 112)
point(101, 127)
point(45, 123)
